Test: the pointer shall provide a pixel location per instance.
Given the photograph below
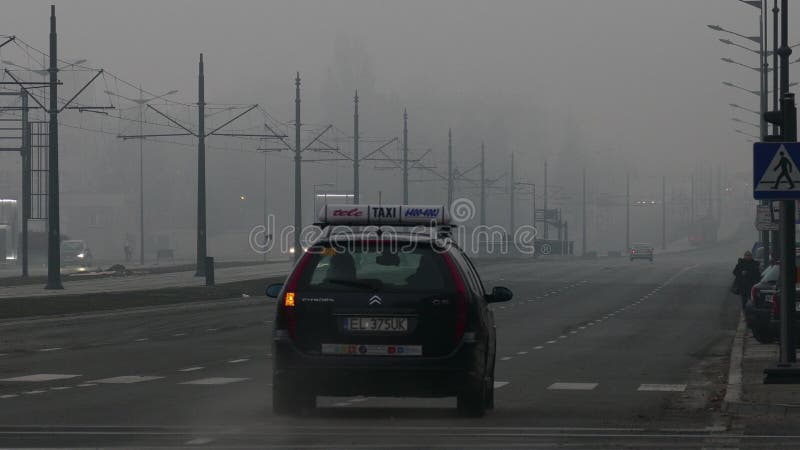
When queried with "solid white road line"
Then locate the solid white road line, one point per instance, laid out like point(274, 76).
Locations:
point(191, 369)
point(35, 378)
point(9, 395)
point(215, 381)
point(34, 392)
point(127, 379)
point(499, 384)
point(662, 387)
point(560, 386)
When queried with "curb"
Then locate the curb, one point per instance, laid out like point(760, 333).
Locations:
point(733, 403)
point(733, 392)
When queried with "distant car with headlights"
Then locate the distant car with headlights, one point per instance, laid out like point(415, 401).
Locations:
point(75, 252)
point(642, 251)
point(384, 314)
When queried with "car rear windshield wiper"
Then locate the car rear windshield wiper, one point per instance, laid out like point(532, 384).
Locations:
point(372, 285)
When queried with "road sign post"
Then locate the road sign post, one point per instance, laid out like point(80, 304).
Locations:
point(777, 176)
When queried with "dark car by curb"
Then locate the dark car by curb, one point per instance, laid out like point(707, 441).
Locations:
point(758, 309)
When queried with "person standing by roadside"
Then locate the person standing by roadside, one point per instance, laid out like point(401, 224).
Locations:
point(747, 274)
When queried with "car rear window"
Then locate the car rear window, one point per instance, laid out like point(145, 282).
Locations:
point(375, 268)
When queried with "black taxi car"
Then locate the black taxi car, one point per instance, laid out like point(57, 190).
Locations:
point(376, 313)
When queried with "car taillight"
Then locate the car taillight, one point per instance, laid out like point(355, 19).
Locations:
point(774, 300)
point(288, 304)
point(461, 298)
point(754, 295)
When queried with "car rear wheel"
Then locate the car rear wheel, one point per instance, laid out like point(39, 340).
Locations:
point(290, 399)
point(763, 336)
point(473, 401)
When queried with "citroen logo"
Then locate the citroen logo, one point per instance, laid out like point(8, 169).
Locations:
point(375, 300)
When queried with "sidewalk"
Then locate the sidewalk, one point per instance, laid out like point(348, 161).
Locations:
point(148, 281)
point(747, 394)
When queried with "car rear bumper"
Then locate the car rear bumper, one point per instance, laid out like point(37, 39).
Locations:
point(376, 375)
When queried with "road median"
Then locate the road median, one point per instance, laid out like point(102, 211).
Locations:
point(55, 305)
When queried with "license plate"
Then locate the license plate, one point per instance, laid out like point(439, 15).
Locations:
point(371, 350)
point(382, 324)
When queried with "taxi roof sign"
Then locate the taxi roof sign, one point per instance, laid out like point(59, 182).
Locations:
point(349, 214)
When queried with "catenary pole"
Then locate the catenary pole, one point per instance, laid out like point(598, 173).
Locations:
point(53, 218)
point(298, 219)
point(201, 172)
point(355, 149)
point(583, 215)
point(449, 167)
point(405, 157)
point(483, 184)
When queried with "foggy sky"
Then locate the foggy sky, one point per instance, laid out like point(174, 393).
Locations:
point(632, 84)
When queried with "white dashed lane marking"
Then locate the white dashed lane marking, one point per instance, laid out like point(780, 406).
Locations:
point(191, 369)
point(499, 384)
point(39, 377)
point(237, 361)
point(127, 379)
point(505, 358)
point(50, 349)
point(662, 387)
point(561, 386)
point(199, 441)
point(215, 381)
point(9, 395)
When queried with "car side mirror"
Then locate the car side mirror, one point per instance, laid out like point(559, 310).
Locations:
point(500, 294)
point(273, 290)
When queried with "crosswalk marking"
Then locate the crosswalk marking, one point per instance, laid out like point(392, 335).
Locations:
point(39, 377)
point(127, 379)
point(561, 386)
point(662, 387)
point(215, 381)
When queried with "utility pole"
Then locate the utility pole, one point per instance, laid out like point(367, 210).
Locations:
point(405, 157)
point(26, 181)
point(787, 226)
point(583, 215)
point(544, 216)
point(298, 215)
point(483, 184)
point(53, 218)
point(141, 178)
point(663, 213)
point(201, 172)
point(355, 149)
point(449, 167)
point(512, 188)
point(627, 211)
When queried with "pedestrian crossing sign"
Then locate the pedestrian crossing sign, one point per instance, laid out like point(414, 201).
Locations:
point(775, 171)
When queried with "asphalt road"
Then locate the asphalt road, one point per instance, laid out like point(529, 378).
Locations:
point(604, 353)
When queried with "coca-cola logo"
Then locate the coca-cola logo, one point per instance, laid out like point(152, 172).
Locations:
point(352, 212)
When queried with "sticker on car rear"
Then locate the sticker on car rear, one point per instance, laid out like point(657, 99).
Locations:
point(371, 350)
